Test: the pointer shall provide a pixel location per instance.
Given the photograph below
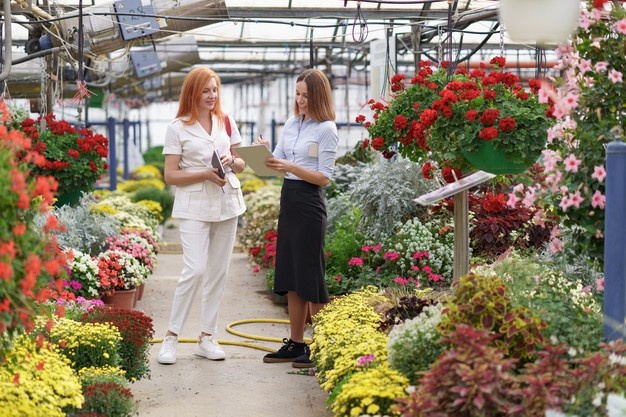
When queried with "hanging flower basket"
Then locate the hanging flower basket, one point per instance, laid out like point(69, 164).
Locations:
point(541, 21)
point(491, 160)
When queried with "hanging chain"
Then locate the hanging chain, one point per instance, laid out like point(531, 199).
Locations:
point(501, 40)
point(43, 88)
point(439, 45)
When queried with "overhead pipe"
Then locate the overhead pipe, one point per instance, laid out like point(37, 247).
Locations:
point(102, 30)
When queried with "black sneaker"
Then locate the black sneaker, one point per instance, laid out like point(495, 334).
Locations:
point(289, 352)
point(303, 361)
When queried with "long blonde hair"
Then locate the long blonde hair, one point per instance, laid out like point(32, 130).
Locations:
point(320, 98)
point(191, 92)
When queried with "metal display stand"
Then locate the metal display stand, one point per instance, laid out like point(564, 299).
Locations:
point(458, 189)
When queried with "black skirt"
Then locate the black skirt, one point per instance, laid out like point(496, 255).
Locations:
point(300, 262)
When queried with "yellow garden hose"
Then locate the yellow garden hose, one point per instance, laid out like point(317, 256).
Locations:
point(250, 344)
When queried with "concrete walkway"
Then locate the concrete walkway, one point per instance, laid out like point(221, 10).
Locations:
point(240, 386)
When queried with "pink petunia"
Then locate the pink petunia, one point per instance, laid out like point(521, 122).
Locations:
point(620, 26)
point(564, 204)
point(572, 163)
point(598, 200)
point(599, 173)
point(600, 284)
point(615, 76)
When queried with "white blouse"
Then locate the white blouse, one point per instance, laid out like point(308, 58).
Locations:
point(204, 201)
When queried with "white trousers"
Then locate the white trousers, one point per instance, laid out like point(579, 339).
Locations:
point(207, 249)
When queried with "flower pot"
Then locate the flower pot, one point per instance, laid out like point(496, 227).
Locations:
point(489, 159)
point(121, 298)
point(140, 289)
point(541, 21)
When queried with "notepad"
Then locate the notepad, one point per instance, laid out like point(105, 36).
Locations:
point(255, 156)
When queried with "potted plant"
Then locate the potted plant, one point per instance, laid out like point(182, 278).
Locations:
point(75, 157)
point(462, 120)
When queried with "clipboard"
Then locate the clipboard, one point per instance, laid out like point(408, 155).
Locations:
point(255, 156)
point(217, 163)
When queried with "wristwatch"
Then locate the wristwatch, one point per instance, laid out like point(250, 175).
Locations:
point(232, 162)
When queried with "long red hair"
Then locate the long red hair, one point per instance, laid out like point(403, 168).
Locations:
point(188, 103)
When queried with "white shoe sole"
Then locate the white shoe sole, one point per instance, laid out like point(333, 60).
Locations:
point(166, 361)
point(213, 357)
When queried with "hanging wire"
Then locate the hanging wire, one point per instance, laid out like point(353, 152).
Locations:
point(311, 54)
point(359, 20)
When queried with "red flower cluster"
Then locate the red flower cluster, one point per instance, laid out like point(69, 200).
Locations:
point(439, 117)
point(76, 158)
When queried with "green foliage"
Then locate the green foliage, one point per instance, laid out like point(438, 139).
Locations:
point(163, 197)
point(343, 243)
point(385, 192)
point(483, 302)
point(360, 153)
point(343, 176)
point(414, 344)
point(568, 308)
point(154, 156)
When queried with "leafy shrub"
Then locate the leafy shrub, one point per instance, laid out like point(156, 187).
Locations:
point(344, 243)
point(343, 176)
point(86, 229)
point(109, 399)
point(414, 343)
point(385, 192)
point(482, 302)
point(154, 156)
point(136, 330)
point(568, 307)
point(163, 197)
point(473, 378)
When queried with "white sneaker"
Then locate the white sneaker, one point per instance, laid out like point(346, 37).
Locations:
point(167, 354)
point(210, 349)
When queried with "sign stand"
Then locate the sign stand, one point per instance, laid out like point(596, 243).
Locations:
point(458, 189)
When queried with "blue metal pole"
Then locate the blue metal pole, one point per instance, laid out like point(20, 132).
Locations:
point(615, 242)
point(112, 155)
point(126, 125)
